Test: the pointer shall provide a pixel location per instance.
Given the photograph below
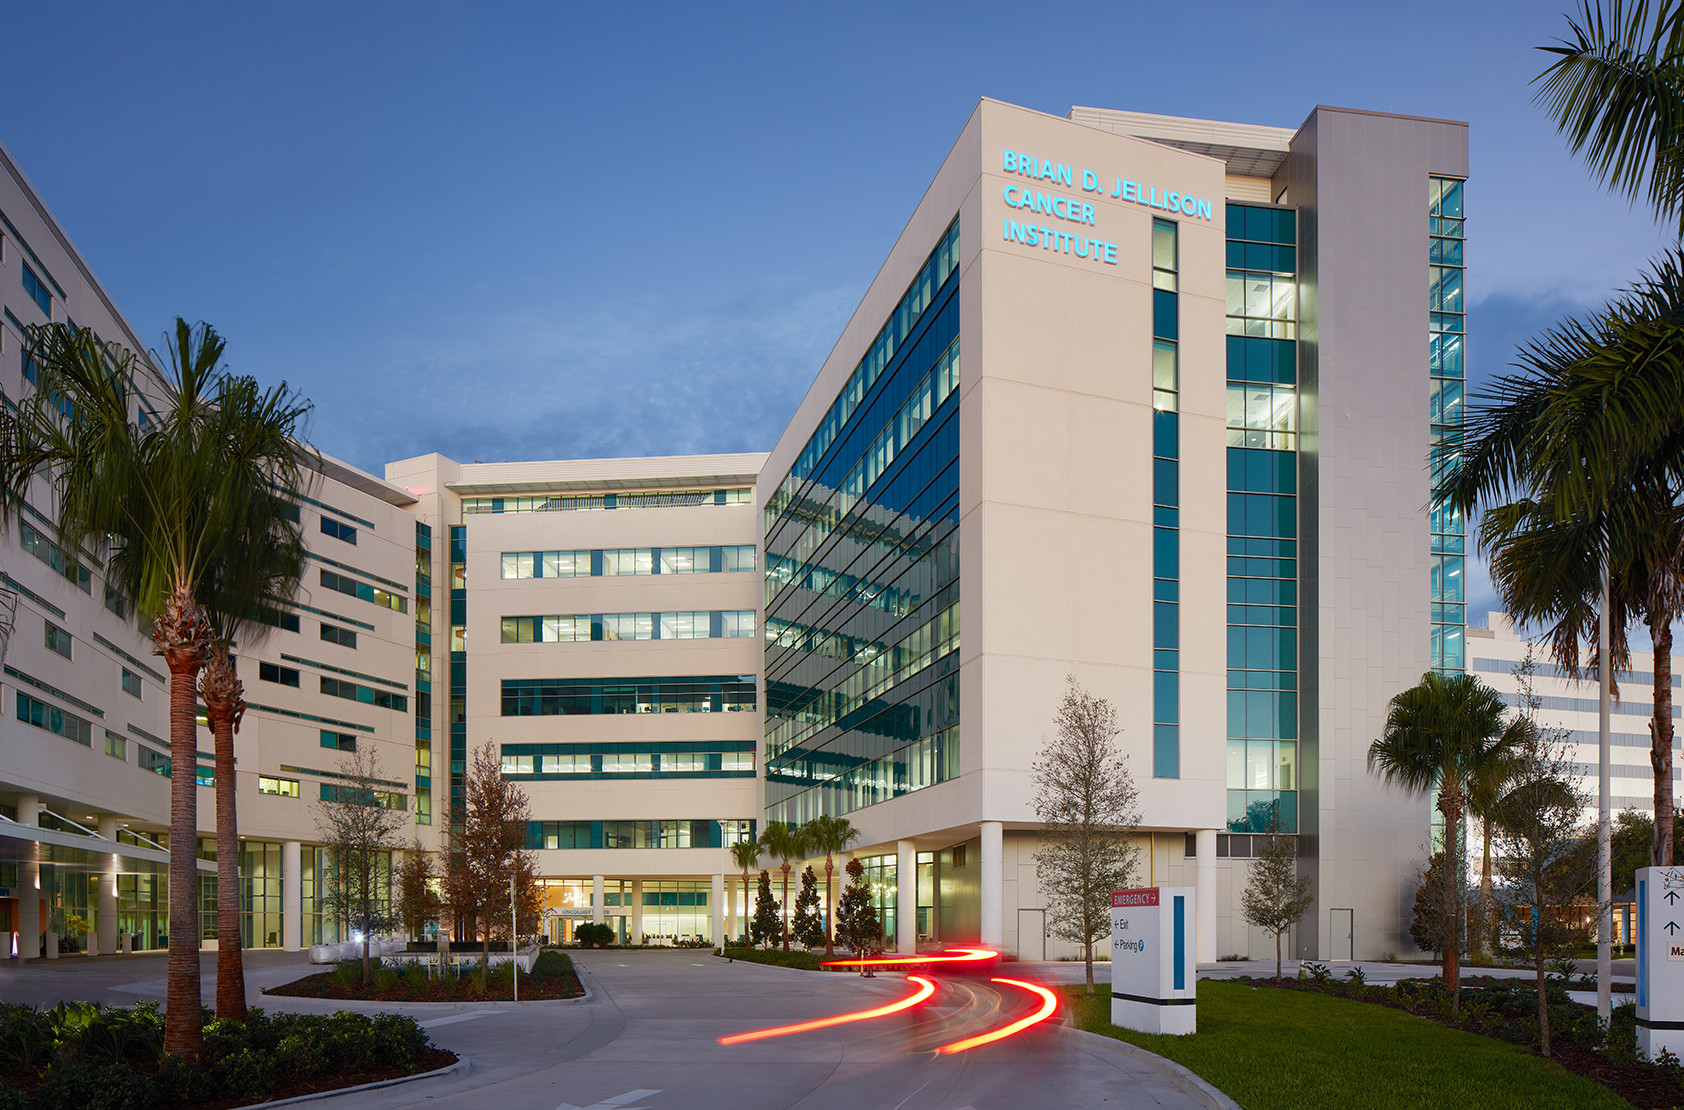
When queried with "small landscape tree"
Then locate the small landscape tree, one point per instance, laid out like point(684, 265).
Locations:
point(489, 853)
point(1431, 927)
point(764, 926)
point(360, 826)
point(857, 927)
point(746, 854)
point(808, 926)
point(1276, 896)
point(1539, 824)
point(1085, 799)
point(418, 896)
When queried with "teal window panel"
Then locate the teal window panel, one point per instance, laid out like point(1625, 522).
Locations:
point(1166, 589)
point(1166, 660)
point(1165, 482)
point(1166, 553)
point(1166, 434)
point(1166, 751)
point(1166, 625)
point(1165, 317)
point(1166, 516)
point(1166, 697)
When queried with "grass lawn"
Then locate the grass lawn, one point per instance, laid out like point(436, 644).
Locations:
point(1291, 1050)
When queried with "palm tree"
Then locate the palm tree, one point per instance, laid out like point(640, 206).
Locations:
point(256, 425)
point(1485, 795)
point(829, 835)
point(1444, 734)
point(788, 844)
point(1616, 91)
point(746, 855)
point(1580, 460)
point(179, 503)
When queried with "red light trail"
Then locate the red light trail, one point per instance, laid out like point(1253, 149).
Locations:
point(925, 990)
point(971, 955)
point(1049, 1003)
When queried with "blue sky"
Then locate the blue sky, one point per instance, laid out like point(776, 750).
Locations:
point(506, 231)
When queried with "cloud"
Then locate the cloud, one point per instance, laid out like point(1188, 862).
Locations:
point(626, 378)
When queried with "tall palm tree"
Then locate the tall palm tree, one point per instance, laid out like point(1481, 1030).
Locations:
point(830, 835)
point(1444, 734)
point(1485, 795)
point(1579, 458)
point(746, 855)
point(787, 844)
point(1616, 91)
point(177, 502)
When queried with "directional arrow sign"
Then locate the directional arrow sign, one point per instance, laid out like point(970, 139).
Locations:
point(1671, 896)
point(1671, 927)
point(618, 1102)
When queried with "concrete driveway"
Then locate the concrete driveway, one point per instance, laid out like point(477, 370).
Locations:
point(647, 1037)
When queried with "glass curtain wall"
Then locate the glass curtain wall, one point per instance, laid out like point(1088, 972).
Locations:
point(458, 673)
point(862, 573)
point(1262, 518)
point(1447, 326)
point(1166, 501)
point(423, 674)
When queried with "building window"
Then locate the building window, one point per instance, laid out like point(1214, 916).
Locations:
point(115, 746)
point(54, 720)
point(351, 587)
point(131, 683)
point(285, 788)
point(704, 625)
point(339, 741)
point(117, 603)
point(204, 776)
point(353, 691)
point(36, 290)
point(339, 531)
point(287, 622)
point(156, 762)
point(335, 635)
point(50, 553)
point(274, 672)
point(57, 640)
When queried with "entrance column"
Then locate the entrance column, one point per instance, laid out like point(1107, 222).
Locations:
point(292, 895)
point(29, 884)
point(106, 929)
point(906, 897)
point(1204, 921)
point(731, 909)
point(636, 912)
point(596, 899)
point(993, 884)
point(718, 896)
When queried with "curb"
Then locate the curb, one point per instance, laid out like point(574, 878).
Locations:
point(1169, 1067)
point(461, 1064)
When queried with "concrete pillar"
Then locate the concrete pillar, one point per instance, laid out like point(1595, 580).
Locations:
point(993, 883)
point(104, 938)
point(906, 896)
point(636, 925)
point(596, 899)
point(719, 911)
point(731, 908)
point(292, 895)
point(935, 899)
point(1204, 891)
point(29, 923)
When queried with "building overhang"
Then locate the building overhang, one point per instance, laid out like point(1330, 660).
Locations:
point(83, 852)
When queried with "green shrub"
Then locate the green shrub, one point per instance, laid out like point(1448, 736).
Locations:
point(26, 1038)
point(594, 936)
point(349, 973)
point(385, 978)
point(11, 1098)
point(79, 1084)
point(128, 1035)
point(395, 1039)
point(416, 979)
point(180, 1080)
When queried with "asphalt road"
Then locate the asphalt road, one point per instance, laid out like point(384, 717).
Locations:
point(647, 1036)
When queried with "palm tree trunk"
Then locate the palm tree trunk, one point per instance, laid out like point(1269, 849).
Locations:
point(1487, 910)
point(829, 909)
point(784, 909)
point(222, 690)
point(1660, 753)
point(181, 635)
point(1452, 805)
point(748, 908)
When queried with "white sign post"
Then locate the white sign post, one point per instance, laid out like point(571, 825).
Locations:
point(1660, 961)
point(1152, 970)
